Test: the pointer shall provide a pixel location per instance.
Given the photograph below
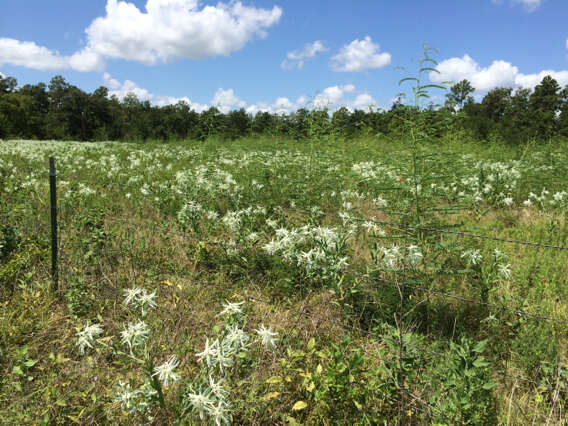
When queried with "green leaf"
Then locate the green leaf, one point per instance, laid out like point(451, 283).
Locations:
point(480, 362)
point(311, 344)
point(429, 69)
point(480, 347)
point(300, 405)
point(433, 86)
point(270, 396)
point(274, 379)
point(407, 79)
point(30, 362)
point(488, 386)
point(17, 370)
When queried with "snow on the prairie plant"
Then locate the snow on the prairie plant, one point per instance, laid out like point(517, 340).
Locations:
point(165, 371)
point(472, 256)
point(200, 401)
point(231, 308)
point(209, 353)
point(139, 298)
point(267, 335)
point(135, 334)
point(87, 336)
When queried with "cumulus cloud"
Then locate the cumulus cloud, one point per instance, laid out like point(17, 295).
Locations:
point(121, 90)
point(174, 29)
point(360, 55)
point(332, 98)
point(498, 74)
point(226, 100)
point(364, 101)
point(296, 58)
point(30, 55)
point(165, 31)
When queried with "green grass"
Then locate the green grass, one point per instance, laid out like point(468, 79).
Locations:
point(365, 335)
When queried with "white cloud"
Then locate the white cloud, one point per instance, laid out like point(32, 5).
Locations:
point(174, 29)
point(86, 60)
point(167, 30)
point(529, 5)
point(364, 101)
point(531, 80)
point(121, 90)
point(30, 55)
point(331, 96)
point(226, 100)
point(360, 55)
point(296, 58)
point(498, 74)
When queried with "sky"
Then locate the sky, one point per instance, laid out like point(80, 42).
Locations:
point(277, 56)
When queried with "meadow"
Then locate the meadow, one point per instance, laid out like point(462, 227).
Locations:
point(271, 281)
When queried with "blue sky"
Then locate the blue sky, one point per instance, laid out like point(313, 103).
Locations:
point(278, 55)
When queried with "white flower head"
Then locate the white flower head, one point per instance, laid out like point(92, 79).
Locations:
point(504, 270)
point(235, 339)
point(210, 352)
point(201, 402)
point(135, 334)
point(267, 336)
point(414, 254)
point(231, 308)
point(126, 397)
point(472, 256)
point(86, 337)
point(165, 372)
point(220, 413)
point(130, 295)
point(217, 388)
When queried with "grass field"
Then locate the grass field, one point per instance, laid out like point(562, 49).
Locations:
point(274, 282)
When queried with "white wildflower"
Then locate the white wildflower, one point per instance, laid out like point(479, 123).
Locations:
point(504, 270)
point(231, 308)
point(267, 336)
point(126, 397)
point(209, 352)
point(135, 334)
point(86, 337)
point(217, 388)
point(472, 256)
point(220, 413)
point(130, 295)
point(414, 255)
point(201, 402)
point(235, 338)
point(165, 372)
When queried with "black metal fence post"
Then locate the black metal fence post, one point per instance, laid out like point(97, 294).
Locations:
point(53, 203)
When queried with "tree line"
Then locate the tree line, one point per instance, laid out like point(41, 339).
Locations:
point(62, 111)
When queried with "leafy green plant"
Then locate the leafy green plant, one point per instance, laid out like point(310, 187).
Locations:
point(463, 391)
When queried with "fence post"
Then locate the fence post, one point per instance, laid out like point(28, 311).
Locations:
point(53, 204)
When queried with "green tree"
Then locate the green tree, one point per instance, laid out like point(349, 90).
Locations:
point(460, 93)
point(496, 102)
point(7, 84)
point(238, 124)
point(545, 104)
point(563, 117)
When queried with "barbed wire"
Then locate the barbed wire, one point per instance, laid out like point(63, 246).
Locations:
point(438, 230)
